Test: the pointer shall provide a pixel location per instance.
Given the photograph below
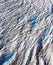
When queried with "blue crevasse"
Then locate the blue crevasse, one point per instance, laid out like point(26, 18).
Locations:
point(7, 58)
point(52, 9)
point(20, 18)
point(33, 21)
point(45, 33)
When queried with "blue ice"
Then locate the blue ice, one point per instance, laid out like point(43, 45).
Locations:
point(33, 21)
point(20, 18)
point(45, 33)
point(52, 9)
point(7, 58)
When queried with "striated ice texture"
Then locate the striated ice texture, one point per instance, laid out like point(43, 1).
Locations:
point(26, 32)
